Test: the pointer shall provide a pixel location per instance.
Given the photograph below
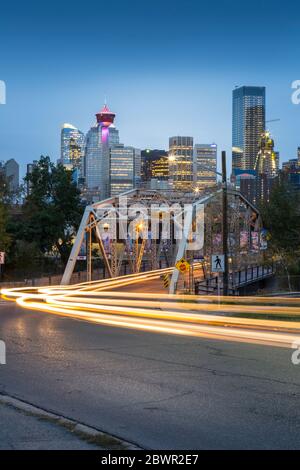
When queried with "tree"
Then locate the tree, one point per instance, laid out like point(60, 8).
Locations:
point(4, 200)
point(4, 236)
point(281, 217)
point(52, 209)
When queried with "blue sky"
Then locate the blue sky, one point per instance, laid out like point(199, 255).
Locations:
point(166, 68)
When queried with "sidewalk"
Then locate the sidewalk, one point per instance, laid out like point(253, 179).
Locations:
point(21, 431)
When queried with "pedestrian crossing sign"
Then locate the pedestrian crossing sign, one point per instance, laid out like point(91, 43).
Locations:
point(217, 263)
point(183, 265)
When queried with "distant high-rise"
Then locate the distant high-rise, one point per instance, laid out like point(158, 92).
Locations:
point(290, 165)
point(72, 147)
point(125, 168)
point(160, 169)
point(100, 138)
point(29, 169)
point(291, 172)
point(155, 164)
point(181, 162)
point(11, 170)
point(137, 167)
point(267, 160)
point(205, 165)
point(248, 123)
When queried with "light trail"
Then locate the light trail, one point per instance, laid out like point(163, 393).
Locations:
point(226, 318)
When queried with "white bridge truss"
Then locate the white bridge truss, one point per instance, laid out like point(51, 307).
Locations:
point(108, 215)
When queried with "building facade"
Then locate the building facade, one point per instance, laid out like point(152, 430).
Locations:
point(155, 164)
point(205, 166)
point(181, 153)
point(29, 169)
point(72, 148)
point(267, 160)
point(125, 168)
point(291, 172)
point(11, 170)
point(248, 124)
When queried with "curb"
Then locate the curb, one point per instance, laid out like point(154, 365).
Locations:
point(83, 431)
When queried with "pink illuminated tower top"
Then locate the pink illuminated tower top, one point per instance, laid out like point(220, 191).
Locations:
point(105, 118)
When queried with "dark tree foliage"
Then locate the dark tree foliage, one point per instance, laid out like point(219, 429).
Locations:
point(281, 217)
point(52, 209)
point(5, 238)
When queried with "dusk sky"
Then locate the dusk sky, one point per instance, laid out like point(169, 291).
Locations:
point(166, 68)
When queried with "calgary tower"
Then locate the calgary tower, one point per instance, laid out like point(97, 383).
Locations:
point(105, 119)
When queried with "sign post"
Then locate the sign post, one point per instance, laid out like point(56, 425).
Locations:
point(183, 265)
point(218, 266)
point(225, 224)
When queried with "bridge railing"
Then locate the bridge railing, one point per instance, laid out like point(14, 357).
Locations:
point(213, 284)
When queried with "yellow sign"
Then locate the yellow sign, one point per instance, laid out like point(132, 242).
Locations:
point(182, 265)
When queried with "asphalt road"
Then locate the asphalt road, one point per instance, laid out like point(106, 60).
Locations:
point(159, 391)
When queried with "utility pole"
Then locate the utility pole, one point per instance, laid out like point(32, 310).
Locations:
point(225, 223)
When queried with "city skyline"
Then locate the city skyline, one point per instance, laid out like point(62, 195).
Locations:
point(148, 78)
point(150, 257)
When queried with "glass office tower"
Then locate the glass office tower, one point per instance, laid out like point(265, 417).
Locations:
point(181, 162)
point(248, 123)
point(72, 147)
point(125, 168)
point(97, 159)
point(205, 165)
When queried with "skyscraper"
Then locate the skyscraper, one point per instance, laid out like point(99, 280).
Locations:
point(125, 168)
point(10, 170)
point(137, 167)
point(72, 148)
point(248, 123)
point(205, 165)
point(291, 172)
point(100, 138)
point(155, 164)
point(29, 169)
point(181, 162)
point(267, 160)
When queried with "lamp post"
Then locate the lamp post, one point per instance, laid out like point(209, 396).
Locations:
point(225, 223)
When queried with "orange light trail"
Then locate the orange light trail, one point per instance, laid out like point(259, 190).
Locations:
point(225, 318)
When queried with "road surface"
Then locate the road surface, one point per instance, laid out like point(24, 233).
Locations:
point(157, 390)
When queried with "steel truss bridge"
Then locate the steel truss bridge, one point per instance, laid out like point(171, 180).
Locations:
point(114, 230)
